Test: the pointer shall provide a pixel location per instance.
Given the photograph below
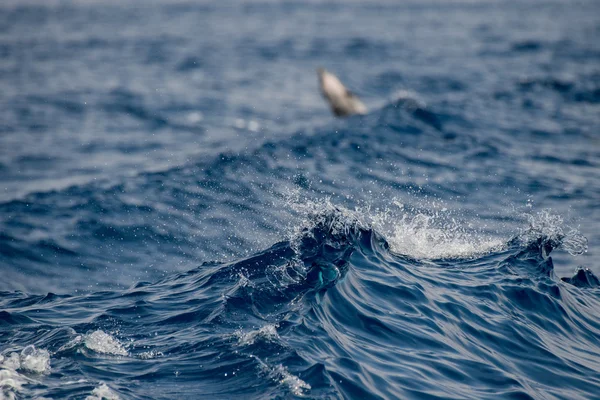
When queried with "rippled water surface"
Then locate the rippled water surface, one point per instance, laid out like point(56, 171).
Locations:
point(182, 217)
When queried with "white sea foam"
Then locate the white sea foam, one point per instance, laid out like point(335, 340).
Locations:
point(30, 360)
point(427, 237)
point(11, 361)
point(102, 342)
point(267, 332)
point(295, 384)
point(11, 381)
point(149, 355)
point(35, 360)
point(103, 392)
point(281, 375)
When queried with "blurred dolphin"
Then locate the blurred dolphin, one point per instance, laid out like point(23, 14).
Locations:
point(342, 101)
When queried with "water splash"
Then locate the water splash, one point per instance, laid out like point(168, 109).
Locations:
point(438, 235)
point(295, 384)
point(429, 237)
point(267, 332)
point(103, 343)
point(335, 219)
point(35, 360)
point(545, 224)
point(103, 392)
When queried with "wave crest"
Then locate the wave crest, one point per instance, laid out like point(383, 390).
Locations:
point(551, 229)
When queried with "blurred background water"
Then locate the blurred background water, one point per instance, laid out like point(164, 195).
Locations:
point(182, 216)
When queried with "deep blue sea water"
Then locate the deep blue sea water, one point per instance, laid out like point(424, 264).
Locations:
point(182, 217)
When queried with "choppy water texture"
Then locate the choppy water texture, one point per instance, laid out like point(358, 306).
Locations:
point(181, 216)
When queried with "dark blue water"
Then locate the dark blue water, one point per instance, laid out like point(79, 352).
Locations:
point(182, 217)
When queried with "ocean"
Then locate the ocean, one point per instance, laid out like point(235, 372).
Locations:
point(182, 216)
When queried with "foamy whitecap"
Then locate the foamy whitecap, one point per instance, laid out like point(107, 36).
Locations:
point(35, 360)
point(416, 235)
point(11, 381)
point(30, 360)
point(102, 342)
point(427, 236)
point(423, 237)
point(11, 361)
point(267, 332)
point(103, 392)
